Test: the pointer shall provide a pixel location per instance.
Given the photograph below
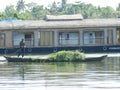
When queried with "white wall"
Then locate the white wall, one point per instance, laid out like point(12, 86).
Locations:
point(17, 38)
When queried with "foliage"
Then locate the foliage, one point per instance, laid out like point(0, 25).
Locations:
point(20, 6)
point(66, 56)
point(118, 10)
point(33, 11)
point(10, 12)
point(37, 12)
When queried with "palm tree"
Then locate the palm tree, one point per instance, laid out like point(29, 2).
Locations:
point(20, 6)
point(64, 4)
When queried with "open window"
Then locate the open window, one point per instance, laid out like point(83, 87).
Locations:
point(93, 37)
point(89, 38)
point(68, 38)
point(28, 37)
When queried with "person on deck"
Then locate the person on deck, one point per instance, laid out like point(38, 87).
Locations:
point(22, 46)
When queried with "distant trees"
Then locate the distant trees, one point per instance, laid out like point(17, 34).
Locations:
point(20, 6)
point(118, 10)
point(33, 11)
point(53, 9)
point(64, 4)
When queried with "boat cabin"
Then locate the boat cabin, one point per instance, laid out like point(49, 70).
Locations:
point(61, 32)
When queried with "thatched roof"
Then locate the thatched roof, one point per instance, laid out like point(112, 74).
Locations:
point(64, 17)
point(86, 23)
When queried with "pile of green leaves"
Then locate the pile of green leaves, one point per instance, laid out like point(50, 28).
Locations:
point(67, 56)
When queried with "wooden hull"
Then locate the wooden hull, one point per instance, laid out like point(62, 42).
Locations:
point(15, 59)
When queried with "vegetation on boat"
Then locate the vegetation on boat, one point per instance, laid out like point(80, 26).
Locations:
point(61, 56)
point(66, 56)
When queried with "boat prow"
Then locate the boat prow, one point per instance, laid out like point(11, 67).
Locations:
point(90, 59)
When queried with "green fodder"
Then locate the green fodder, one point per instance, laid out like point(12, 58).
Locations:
point(66, 56)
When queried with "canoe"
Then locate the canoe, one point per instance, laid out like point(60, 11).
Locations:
point(100, 58)
point(16, 59)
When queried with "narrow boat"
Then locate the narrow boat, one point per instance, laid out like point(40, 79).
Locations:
point(16, 59)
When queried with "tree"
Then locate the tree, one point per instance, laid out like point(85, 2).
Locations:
point(26, 16)
point(37, 12)
point(64, 4)
point(107, 12)
point(11, 12)
point(30, 6)
point(53, 8)
point(3, 16)
point(118, 8)
point(33, 11)
point(118, 11)
point(20, 6)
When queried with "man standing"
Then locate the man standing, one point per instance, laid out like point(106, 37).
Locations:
point(22, 45)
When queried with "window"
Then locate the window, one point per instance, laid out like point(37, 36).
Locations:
point(29, 39)
point(2, 40)
point(93, 37)
point(67, 39)
point(67, 36)
point(17, 36)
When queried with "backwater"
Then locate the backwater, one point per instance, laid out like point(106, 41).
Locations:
point(61, 76)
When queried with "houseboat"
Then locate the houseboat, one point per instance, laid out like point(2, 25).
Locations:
point(64, 32)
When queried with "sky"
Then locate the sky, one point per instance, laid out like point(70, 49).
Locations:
point(101, 3)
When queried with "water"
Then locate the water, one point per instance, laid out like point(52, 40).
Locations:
point(61, 76)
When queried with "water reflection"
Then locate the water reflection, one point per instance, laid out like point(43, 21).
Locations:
point(57, 76)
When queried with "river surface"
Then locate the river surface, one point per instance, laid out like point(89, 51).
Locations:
point(104, 75)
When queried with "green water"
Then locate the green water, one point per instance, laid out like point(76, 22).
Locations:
point(61, 76)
